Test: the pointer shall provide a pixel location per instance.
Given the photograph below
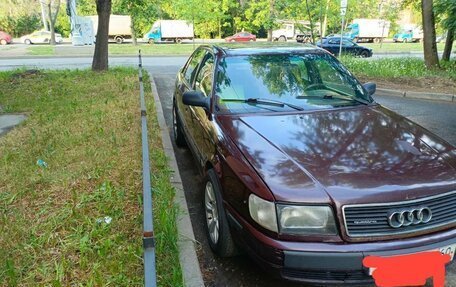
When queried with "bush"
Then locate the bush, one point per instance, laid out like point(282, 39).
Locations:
point(20, 25)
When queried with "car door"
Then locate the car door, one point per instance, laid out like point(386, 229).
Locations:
point(333, 46)
point(349, 47)
point(202, 126)
point(184, 82)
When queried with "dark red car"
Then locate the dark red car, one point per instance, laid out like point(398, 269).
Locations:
point(5, 38)
point(241, 37)
point(304, 170)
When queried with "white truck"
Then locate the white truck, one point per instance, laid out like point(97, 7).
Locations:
point(409, 33)
point(298, 30)
point(368, 30)
point(119, 27)
point(170, 30)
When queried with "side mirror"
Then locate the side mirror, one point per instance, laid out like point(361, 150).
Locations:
point(197, 99)
point(370, 88)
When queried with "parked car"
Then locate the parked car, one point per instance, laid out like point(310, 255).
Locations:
point(5, 38)
point(241, 37)
point(303, 170)
point(332, 44)
point(39, 37)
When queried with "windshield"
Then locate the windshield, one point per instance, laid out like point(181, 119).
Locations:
point(308, 81)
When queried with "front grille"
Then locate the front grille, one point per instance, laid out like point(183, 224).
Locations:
point(328, 276)
point(372, 219)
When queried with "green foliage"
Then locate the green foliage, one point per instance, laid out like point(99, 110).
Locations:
point(20, 24)
point(62, 24)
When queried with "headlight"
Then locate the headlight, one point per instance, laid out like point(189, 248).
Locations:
point(263, 212)
point(306, 220)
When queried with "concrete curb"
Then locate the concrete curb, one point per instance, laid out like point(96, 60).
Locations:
point(188, 259)
point(419, 95)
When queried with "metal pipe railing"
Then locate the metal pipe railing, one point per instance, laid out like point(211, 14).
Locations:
point(150, 274)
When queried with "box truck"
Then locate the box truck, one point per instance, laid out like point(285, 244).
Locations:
point(119, 27)
point(368, 30)
point(170, 30)
point(409, 33)
point(298, 30)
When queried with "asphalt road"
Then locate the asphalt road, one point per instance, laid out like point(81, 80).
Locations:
point(439, 117)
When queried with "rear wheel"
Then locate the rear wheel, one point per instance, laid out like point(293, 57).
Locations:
point(178, 40)
point(177, 129)
point(3, 42)
point(282, 39)
point(27, 42)
point(119, 39)
point(376, 40)
point(217, 228)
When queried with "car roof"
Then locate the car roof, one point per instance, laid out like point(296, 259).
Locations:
point(247, 49)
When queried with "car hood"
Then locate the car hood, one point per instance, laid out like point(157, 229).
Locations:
point(355, 155)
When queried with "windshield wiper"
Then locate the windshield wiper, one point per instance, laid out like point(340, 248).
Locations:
point(345, 98)
point(264, 102)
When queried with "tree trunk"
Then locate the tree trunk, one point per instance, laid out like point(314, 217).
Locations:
point(448, 44)
point(100, 57)
point(44, 17)
point(133, 31)
point(311, 22)
point(271, 17)
point(325, 20)
point(52, 18)
point(431, 58)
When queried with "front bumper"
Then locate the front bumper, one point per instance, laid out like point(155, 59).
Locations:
point(326, 263)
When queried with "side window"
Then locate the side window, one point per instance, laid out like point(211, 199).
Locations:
point(345, 42)
point(192, 65)
point(204, 78)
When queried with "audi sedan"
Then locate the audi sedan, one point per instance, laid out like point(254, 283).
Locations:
point(303, 170)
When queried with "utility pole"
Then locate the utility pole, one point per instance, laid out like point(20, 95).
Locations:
point(380, 6)
point(343, 11)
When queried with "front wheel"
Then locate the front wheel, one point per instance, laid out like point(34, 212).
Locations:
point(364, 54)
point(405, 40)
point(177, 129)
point(27, 42)
point(3, 42)
point(217, 228)
point(282, 39)
point(150, 41)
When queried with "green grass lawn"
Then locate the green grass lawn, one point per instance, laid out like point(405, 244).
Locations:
point(398, 67)
point(400, 47)
point(151, 50)
point(42, 50)
point(86, 127)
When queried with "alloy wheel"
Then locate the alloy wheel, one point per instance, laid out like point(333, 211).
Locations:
point(212, 218)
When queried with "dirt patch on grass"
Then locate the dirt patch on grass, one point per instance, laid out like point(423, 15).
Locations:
point(422, 84)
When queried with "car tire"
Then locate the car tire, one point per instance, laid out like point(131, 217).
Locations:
point(119, 39)
point(355, 39)
point(232, 40)
point(178, 133)
point(27, 42)
point(150, 41)
point(216, 223)
point(178, 40)
point(364, 54)
point(282, 39)
point(3, 42)
point(405, 40)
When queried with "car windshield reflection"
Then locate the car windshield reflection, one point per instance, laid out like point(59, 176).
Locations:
point(309, 81)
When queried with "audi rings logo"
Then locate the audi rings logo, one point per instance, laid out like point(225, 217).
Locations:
point(409, 217)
